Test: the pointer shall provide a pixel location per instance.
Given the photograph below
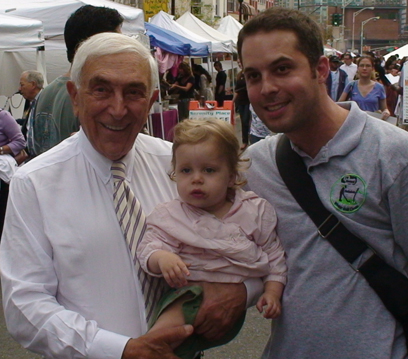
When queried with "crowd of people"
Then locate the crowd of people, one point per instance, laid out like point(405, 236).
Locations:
point(117, 244)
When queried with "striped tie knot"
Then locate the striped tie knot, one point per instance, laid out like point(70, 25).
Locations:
point(118, 170)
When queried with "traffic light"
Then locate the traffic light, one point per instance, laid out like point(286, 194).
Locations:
point(337, 19)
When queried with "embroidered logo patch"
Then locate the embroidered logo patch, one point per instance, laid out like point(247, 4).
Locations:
point(348, 193)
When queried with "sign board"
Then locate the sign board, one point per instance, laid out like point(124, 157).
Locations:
point(152, 7)
point(224, 113)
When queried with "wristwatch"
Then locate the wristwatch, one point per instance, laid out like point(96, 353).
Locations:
point(1, 150)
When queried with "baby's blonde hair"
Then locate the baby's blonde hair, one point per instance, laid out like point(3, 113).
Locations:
point(197, 131)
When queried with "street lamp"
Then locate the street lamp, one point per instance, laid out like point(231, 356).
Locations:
point(354, 20)
point(344, 4)
point(362, 30)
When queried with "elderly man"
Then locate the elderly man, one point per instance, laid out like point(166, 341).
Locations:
point(70, 286)
point(31, 85)
point(329, 310)
point(56, 120)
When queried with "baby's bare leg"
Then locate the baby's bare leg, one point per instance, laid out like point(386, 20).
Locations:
point(172, 316)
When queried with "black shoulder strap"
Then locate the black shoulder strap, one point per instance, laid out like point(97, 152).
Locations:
point(353, 83)
point(300, 184)
point(389, 284)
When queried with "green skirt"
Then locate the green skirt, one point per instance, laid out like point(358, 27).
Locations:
point(193, 299)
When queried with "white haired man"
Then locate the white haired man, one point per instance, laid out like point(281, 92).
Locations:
point(77, 294)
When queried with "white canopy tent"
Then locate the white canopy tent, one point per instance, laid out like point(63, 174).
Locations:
point(194, 24)
point(164, 21)
point(53, 14)
point(330, 51)
point(191, 22)
point(17, 33)
point(401, 52)
point(230, 27)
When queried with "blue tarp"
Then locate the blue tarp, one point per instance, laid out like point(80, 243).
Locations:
point(176, 44)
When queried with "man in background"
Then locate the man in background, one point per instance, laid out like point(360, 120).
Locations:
point(337, 79)
point(220, 81)
point(55, 120)
point(349, 67)
point(31, 84)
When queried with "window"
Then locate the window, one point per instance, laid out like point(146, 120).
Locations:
point(196, 7)
point(231, 5)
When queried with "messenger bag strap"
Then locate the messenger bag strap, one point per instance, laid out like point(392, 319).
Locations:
point(389, 284)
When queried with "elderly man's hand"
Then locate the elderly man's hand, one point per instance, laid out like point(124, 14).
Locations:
point(223, 304)
point(156, 344)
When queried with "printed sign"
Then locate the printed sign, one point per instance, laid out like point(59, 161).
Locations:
point(152, 7)
point(224, 115)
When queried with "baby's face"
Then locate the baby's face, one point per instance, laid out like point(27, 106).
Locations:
point(202, 175)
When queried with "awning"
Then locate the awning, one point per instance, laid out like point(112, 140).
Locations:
point(248, 9)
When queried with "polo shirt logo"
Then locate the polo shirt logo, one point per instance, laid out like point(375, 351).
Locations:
point(348, 193)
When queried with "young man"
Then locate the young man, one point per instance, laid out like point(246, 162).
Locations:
point(328, 309)
point(349, 67)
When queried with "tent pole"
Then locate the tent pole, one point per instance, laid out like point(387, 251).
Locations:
point(40, 62)
point(233, 73)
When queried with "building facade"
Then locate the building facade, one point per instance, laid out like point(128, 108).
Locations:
point(358, 24)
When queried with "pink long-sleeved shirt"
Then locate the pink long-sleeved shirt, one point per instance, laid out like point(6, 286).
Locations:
point(242, 244)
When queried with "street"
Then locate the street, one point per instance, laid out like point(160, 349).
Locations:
point(247, 345)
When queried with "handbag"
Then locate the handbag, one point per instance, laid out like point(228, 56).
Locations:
point(389, 284)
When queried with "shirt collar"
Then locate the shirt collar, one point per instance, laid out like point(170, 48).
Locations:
point(344, 141)
point(100, 163)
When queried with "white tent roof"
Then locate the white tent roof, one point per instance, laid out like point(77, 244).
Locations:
point(164, 21)
point(191, 22)
point(19, 32)
point(401, 52)
point(230, 27)
point(55, 13)
point(329, 51)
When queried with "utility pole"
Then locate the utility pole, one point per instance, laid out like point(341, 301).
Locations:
point(354, 20)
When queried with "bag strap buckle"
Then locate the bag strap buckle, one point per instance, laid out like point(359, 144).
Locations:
point(331, 229)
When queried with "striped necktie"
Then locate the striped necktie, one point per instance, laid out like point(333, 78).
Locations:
point(133, 223)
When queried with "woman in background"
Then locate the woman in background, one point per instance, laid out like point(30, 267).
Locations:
point(184, 86)
point(369, 94)
point(12, 144)
point(204, 85)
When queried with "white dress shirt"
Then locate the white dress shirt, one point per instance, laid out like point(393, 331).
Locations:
point(69, 286)
point(350, 70)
